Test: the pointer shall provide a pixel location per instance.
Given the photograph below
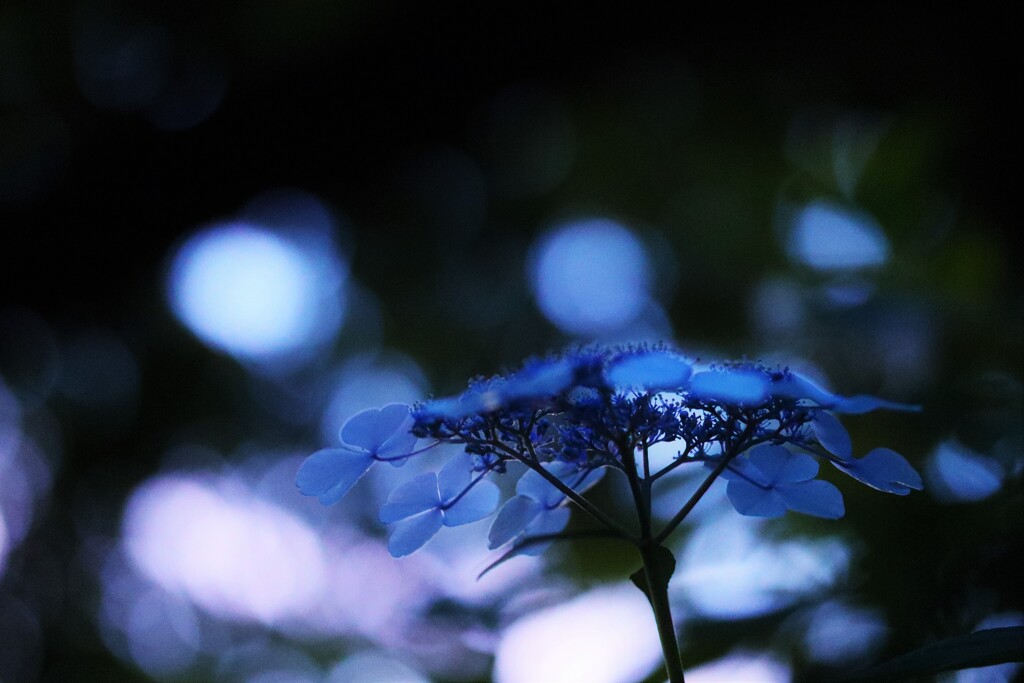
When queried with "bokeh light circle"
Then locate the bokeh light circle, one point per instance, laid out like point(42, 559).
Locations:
point(830, 237)
point(247, 291)
point(590, 276)
point(603, 636)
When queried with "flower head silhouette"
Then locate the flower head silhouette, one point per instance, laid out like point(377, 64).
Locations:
point(569, 418)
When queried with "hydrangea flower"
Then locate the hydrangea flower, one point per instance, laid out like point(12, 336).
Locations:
point(538, 508)
point(657, 370)
point(370, 436)
point(884, 469)
point(773, 479)
point(731, 386)
point(567, 416)
point(421, 506)
point(570, 417)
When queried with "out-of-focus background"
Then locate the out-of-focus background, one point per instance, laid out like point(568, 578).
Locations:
point(226, 227)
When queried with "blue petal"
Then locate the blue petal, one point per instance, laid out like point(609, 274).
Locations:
point(449, 408)
point(548, 522)
point(652, 370)
point(370, 428)
point(793, 385)
point(533, 485)
point(540, 379)
point(401, 443)
point(409, 535)
point(477, 399)
point(412, 497)
point(856, 405)
point(753, 501)
point(455, 476)
point(736, 386)
point(513, 518)
point(816, 497)
point(477, 503)
point(739, 469)
point(582, 482)
point(885, 470)
point(831, 434)
point(330, 473)
point(957, 474)
point(779, 465)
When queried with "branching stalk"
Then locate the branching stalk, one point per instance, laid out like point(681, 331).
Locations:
point(657, 592)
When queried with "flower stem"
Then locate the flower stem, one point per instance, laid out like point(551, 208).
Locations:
point(582, 502)
point(657, 592)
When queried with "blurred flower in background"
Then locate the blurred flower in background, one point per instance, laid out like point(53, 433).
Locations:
point(270, 290)
point(592, 278)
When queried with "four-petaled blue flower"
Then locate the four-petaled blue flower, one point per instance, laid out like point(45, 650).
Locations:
point(884, 469)
point(773, 479)
point(538, 508)
point(372, 435)
point(421, 506)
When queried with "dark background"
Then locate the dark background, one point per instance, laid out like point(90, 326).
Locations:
point(334, 96)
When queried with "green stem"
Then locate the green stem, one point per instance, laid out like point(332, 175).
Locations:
point(657, 592)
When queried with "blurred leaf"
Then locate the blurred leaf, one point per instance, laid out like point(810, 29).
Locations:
point(981, 648)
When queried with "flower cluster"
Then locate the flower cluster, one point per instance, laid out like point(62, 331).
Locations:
point(569, 418)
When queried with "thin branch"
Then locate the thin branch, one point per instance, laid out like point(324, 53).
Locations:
point(683, 458)
point(582, 502)
point(697, 495)
point(474, 482)
point(740, 445)
point(404, 456)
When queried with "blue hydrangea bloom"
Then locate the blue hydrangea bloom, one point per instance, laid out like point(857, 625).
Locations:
point(831, 434)
point(538, 508)
point(372, 435)
point(655, 370)
point(884, 469)
point(793, 385)
point(421, 506)
point(734, 386)
point(772, 480)
point(568, 418)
